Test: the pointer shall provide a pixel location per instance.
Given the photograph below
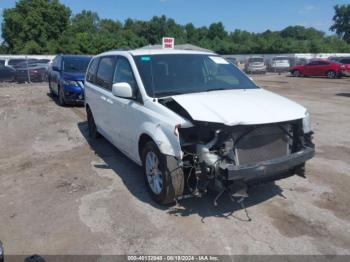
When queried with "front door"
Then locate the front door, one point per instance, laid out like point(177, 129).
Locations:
point(125, 114)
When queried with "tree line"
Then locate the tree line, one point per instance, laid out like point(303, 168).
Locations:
point(49, 27)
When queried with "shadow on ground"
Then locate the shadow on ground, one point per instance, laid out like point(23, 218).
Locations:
point(55, 100)
point(132, 177)
point(343, 94)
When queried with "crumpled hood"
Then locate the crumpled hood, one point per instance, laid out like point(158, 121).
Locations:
point(240, 107)
point(74, 76)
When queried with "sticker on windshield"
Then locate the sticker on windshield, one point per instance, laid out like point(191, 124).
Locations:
point(145, 58)
point(218, 60)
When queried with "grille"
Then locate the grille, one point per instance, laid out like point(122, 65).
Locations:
point(264, 143)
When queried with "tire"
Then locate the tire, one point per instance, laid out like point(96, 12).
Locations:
point(52, 94)
point(163, 177)
point(1, 252)
point(296, 73)
point(331, 74)
point(60, 98)
point(93, 133)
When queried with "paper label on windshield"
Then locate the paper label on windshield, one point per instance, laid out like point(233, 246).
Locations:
point(218, 60)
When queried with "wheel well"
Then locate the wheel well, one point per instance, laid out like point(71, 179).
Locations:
point(87, 108)
point(144, 139)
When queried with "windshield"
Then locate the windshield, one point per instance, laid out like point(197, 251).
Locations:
point(256, 60)
point(165, 75)
point(76, 64)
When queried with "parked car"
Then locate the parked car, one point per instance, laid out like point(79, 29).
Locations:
point(30, 72)
point(280, 64)
point(7, 73)
point(298, 61)
point(66, 78)
point(255, 64)
point(320, 67)
point(194, 121)
point(15, 62)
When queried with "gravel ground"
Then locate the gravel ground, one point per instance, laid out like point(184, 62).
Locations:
point(61, 194)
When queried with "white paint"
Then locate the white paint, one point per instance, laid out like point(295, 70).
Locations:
point(240, 107)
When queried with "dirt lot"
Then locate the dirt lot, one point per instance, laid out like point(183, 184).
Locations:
point(61, 194)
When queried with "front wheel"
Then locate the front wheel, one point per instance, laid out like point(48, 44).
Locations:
point(61, 101)
point(331, 74)
point(52, 94)
point(164, 178)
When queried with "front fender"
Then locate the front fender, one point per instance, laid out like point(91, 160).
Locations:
point(165, 138)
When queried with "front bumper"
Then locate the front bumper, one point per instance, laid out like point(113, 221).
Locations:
point(73, 94)
point(256, 69)
point(275, 168)
point(345, 72)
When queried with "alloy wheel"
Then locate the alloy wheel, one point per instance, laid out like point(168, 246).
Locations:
point(154, 175)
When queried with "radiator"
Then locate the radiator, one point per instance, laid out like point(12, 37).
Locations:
point(261, 144)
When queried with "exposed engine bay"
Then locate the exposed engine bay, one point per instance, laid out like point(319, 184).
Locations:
point(231, 158)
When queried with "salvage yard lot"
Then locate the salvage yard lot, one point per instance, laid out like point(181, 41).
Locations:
point(63, 194)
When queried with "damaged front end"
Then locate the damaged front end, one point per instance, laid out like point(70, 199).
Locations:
point(231, 158)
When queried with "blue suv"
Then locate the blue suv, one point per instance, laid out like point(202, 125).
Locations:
point(66, 78)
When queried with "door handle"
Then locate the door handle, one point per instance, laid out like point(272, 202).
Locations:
point(103, 98)
point(110, 101)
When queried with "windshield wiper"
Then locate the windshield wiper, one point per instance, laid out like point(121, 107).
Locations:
point(169, 93)
point(215, 89)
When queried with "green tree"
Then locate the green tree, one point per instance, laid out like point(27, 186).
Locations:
point(341, 21)
point(31, 24)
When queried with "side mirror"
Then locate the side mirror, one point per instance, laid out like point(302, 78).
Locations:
point(122, 89)
point(55, 68)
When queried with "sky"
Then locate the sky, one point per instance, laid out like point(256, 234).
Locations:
point(250, 15)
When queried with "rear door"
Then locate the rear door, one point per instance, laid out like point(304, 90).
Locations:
point(92, 92)
point(323, 68)
point(102, 105)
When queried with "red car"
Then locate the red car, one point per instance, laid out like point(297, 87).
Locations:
point(321, 67)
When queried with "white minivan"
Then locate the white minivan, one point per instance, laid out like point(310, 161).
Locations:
point(194, 122)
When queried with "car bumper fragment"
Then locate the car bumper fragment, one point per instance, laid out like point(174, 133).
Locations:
point(269, 168)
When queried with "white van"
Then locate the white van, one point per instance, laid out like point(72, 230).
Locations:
point(194, 121)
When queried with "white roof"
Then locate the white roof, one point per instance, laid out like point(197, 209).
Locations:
point(137, 52)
